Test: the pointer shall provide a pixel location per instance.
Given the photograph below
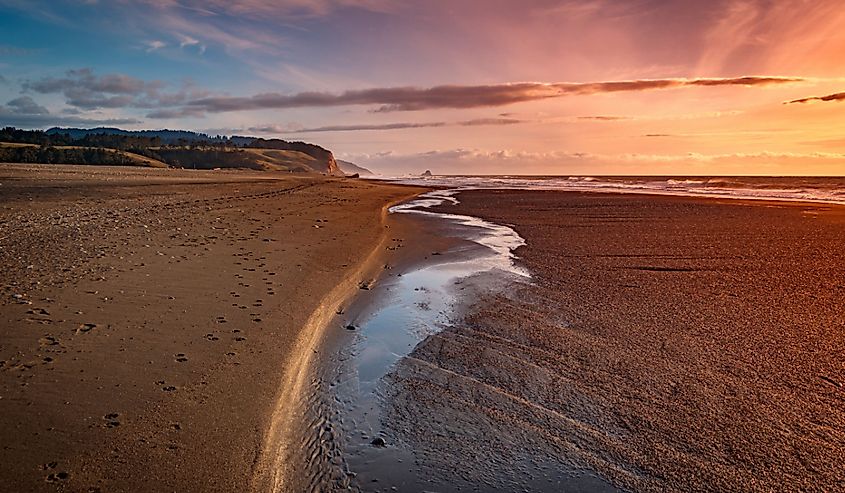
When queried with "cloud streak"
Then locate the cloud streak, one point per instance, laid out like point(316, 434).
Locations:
point(25, 112)
point(279, 129)
point(839, 96)
point(84, 89)
point(506, 161)
point(462, 97)
point(604, 118)
point(154, 45)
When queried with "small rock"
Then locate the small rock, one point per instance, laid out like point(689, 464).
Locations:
point(378, 442)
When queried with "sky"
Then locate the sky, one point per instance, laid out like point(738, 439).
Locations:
point(695, 87)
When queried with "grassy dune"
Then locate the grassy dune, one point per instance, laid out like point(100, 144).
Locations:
point(136, 159)
point(210, 158)
point(258, 159)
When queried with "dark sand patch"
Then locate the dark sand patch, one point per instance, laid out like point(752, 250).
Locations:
point(686, 345)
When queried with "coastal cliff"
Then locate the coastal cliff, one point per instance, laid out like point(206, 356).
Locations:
point(164, 148)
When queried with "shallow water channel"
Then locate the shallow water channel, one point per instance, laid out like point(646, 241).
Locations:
point(401, 312)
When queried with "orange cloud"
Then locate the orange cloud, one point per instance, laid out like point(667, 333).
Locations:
point(839, 96)
point(462, 97)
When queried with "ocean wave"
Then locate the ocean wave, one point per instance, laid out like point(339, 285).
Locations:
point(803, 189)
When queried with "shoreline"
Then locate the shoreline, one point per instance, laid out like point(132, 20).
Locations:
point(803, 189)
point(474, 388)
point(418, 290)
point(167, 435)
point(278, 455)
point(163, 306)
point(324, 444)
point(356, 459)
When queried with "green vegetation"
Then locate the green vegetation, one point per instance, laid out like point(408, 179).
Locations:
point(174, 148)
point(74, 155)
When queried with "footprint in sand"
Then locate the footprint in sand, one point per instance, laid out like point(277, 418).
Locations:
point(48, 340)
point(57, 477)
point(111, 420)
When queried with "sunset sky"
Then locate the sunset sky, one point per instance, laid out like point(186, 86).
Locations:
point(472, 86)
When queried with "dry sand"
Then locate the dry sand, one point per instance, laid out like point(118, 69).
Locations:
point(667, 344)
point(157, 324)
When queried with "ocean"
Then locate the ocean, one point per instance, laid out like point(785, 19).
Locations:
point(801, 189)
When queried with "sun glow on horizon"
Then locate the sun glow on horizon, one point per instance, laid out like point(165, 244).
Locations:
point(730, 87)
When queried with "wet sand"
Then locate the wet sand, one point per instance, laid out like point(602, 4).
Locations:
point(665, 344)
point(157, 324)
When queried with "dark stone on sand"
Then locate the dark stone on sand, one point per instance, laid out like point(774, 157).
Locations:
point(350, 327)
point(378, 442)
point(83, 328)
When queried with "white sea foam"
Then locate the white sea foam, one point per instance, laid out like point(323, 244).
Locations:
point(501, 240)
point(823, 190)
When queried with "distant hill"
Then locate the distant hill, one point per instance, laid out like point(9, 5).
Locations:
point(352, 168)
point(174, 148)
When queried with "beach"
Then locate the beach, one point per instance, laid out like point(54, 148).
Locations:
point(177, 330)
point(157, 324)
point(662, 344)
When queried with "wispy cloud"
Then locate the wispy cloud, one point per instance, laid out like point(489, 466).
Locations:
point(462, 97)
point(165, 114)
point(84, 89)
point(154, 45)
point(344, 128)
point(271, 8)
point(25, 112)
point(188, 41)
point(278, 129)
point(604, 118)
point(839, 96)
point(472, 161)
